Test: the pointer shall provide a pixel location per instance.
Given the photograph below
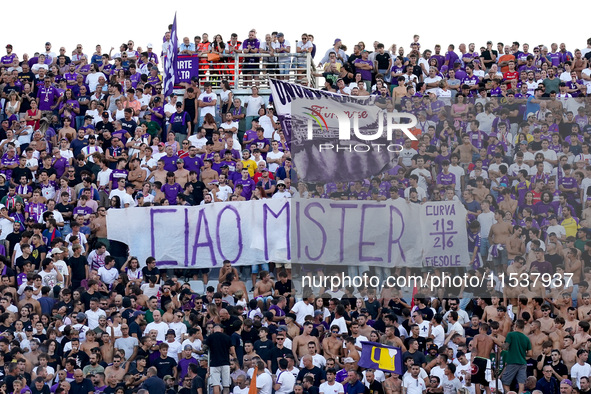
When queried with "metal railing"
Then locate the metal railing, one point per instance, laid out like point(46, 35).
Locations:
point(242, 72)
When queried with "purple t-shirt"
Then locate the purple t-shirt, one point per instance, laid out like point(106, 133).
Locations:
point(170, 162)
point(82, 211)
point(365, 74)
point(248, 186)
point(254, 43)
point(171, 191)
point(193, 164)
point(446, 179)
point(8, 59)
point(47, 97)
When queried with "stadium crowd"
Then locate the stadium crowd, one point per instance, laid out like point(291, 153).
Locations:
point(505, 131)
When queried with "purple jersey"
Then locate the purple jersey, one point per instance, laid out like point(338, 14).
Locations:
point(254, 44)
point(115, 175)
point(46, 97)
point(446, 179)
point(248, 186)
point(471, 80)
point(555, 59)
point(8, 59)
point(170, 162)
point(35, 210)
point(193, 164)
point(79, 210)
point(171, 191)
point(231, 165)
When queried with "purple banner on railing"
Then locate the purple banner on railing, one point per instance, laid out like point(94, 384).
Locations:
point(187, 68)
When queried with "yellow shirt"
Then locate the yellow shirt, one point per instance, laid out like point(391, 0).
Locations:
point(251, 166)
point(570, 226)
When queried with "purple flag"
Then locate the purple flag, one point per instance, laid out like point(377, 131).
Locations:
point(170, 59)
point(377, 356)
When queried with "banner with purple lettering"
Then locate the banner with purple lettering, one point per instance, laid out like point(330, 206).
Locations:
point(338, 233)
point(383, 357)
point(187, 67)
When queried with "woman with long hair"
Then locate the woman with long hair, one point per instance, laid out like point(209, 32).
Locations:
point(227, 97)
point(18, 214)
point(209, 125)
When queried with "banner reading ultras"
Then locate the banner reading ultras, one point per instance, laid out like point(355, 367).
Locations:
point(312, 231)
point(340, 138)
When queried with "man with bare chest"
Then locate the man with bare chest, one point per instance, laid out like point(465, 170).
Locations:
point(557, 335)
point(208, 174)
point(537, 338)
point(332, 344)
point(499, 234)
point(584, 310)
point(300, 342)
point(482, 346)
point(569, 353)
point(181, 174)
point(546, 322)
point(392, 385)
point(159, 173)
point(136, 175)
point(465, 150)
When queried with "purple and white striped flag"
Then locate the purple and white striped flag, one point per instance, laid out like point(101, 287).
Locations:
point(170, 60)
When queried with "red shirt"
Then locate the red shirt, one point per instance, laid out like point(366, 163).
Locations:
point(511, 76)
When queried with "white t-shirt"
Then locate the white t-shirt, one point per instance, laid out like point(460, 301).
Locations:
point(302, 310)
point(93, 317)
point(253, 105)
point(341, 323)
point(326, 388)
point(207, 98)
point(413, 386)
point(271, 155)
point(438, 335)
point(577, 371)
point(265, 383)
point(287, 381)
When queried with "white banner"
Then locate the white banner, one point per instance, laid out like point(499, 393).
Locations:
point(318, 231)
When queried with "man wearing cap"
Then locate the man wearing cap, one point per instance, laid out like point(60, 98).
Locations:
point(341, 55)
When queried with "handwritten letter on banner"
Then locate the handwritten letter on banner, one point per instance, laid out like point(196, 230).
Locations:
point(386, 234)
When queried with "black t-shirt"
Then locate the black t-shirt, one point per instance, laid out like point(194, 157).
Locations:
point(65, 208)
point(104, 125)
point(198, 188)
point(264, 349)
point(196, 384)
point(278, 353)
point(69, 306)
point(317, 372)
point(147, 273)
point(165, 366)
point(86, 296)
point(283, 288)
point(36, 256)
point(383, 60)
point(112, 390)
point(13, 238)
point(18, 172)
point(78, 266)
point(219, 345)
point(128, 125)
